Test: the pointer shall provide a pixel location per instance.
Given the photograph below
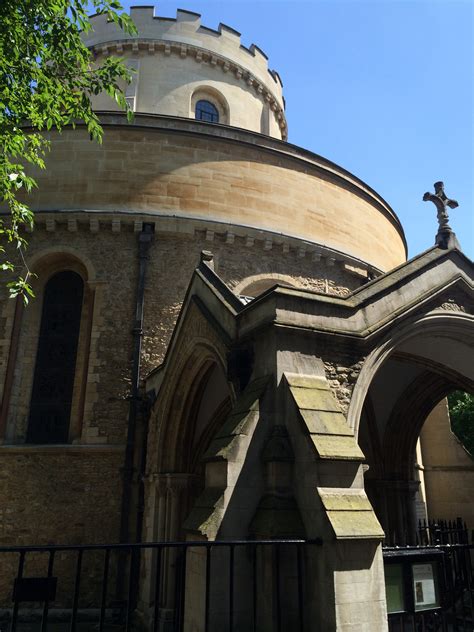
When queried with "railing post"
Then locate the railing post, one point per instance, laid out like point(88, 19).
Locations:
point(231, 588)
point(277, 586)
point(77, 585)
point(131, 589)
point(254, 586)
point(156, 605)
point(21, 565)
point(299, 571)
point(44, 619)
point(103, 599)
point(208, 592)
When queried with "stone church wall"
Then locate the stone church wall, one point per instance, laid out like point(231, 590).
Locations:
point(448, 470)
point(75, 482)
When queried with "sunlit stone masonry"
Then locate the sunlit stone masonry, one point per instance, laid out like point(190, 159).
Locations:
point(227, 344)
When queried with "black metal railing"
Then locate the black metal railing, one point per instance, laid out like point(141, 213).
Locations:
point(432, 532)
point(221, 585)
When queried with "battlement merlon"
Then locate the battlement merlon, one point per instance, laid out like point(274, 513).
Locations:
point(186, 28)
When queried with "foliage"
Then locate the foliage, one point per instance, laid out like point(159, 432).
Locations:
point(47, 78)
point(461, 411)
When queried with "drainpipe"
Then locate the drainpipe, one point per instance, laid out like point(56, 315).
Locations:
point(144, 242)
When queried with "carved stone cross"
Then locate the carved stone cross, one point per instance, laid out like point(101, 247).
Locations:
point(445, 238)
point(441, 201)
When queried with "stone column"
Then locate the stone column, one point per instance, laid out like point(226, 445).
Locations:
point(155, 491)
point(344, 577)
point(411, 488)
point(175, 486)
point(402, 522)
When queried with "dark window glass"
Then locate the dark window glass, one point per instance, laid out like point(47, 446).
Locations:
point(206, 111)
point(53, 381)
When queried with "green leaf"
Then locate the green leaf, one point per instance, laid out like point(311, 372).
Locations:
point(47, 78)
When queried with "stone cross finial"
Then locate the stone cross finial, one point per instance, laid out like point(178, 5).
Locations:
point(441, 201)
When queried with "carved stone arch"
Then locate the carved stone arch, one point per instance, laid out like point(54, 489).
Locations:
point(184, 429)
point(258, 283)
point(184, 387)
point(407, 375)
point(455, 324)
point(413, 407)
point(49, 259)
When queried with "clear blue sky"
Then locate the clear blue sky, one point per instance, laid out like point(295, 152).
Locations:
point(383, 88)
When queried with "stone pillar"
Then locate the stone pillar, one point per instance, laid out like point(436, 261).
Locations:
point(410, 496)
point(155, 494)
point(175, 487)
point(344, 577)
point(402, 520)
point(166, 496)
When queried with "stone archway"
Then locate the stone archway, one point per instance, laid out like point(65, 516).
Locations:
point(402, 381)
point(190, 406)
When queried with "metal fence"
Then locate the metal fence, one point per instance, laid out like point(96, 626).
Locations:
point(432, 532)
point(221, 585)
point(452, 584)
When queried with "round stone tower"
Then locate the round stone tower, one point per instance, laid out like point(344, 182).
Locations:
point(178, 62)
point(204, 165)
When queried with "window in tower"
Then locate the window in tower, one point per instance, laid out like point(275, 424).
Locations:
point(53, 381)
point(206, 111)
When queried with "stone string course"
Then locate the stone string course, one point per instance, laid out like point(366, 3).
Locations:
point(240, 235)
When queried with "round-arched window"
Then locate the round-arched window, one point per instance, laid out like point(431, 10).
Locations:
point(206, 111)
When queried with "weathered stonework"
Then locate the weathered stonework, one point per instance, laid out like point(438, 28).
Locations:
point(289, 356)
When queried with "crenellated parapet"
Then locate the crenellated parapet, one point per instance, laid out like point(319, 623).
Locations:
point(224, 60)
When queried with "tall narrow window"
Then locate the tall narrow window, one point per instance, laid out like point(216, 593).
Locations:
point(207, 111)
point(53, 383)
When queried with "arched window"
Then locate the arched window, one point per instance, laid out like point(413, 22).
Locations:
point(206, 111)
point(53, 382)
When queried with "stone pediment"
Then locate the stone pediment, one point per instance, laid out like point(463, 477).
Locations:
point(207, 316)
point(456, 299)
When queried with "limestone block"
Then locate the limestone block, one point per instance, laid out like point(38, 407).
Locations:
point(350, 514)
point(323, 420)
point(225, 181)
point(244, 415)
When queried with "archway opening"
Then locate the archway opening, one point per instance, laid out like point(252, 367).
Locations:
point(200, 402)
point(415, 467)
